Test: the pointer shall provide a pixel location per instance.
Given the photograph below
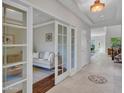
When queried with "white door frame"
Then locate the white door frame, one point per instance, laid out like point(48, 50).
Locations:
point(73, 71)
point(61, 77)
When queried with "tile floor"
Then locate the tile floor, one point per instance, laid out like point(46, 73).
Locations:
point(100, 64)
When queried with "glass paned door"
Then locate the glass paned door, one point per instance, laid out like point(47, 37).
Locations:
point(16, 48)
point(61, 52)
point(73, 51)
point(72, 48)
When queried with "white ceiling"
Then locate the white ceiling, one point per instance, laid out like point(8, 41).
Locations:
point(111, 15)
point(40, 17)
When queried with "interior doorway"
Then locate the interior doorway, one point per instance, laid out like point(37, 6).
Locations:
point(43, 52)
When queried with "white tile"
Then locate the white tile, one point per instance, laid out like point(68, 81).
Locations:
point(101, 64)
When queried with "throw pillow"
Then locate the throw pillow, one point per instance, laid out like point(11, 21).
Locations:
point(35, 55)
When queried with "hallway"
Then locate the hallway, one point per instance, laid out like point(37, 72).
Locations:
point(100, 64)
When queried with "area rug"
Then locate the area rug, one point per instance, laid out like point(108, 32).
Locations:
point(98, 79)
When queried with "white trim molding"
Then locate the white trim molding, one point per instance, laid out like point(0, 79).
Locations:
point(44, 24)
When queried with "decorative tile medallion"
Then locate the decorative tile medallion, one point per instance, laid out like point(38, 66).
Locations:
point(97, 79)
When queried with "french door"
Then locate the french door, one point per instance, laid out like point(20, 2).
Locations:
point(17, 47)
point(73, 50)
point(61, 51)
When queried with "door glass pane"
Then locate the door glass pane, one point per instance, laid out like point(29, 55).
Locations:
point(13, 74)
point(72, 48)
point(59, 50)
point(65, 30)
point(13, 35)
point(20, 88)
point(14, 55)
point(59, 29)
point(14, 15)
point(62, 49)
point(64, 53)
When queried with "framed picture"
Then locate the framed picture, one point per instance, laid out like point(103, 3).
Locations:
point(48, 37)
point(8, 39)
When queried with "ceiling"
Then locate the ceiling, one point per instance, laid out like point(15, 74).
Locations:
point(110, 15)
point(40, 17)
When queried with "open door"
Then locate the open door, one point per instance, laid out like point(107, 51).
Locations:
point(61, 51)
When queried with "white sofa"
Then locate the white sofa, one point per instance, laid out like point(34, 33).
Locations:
point(44, 59)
